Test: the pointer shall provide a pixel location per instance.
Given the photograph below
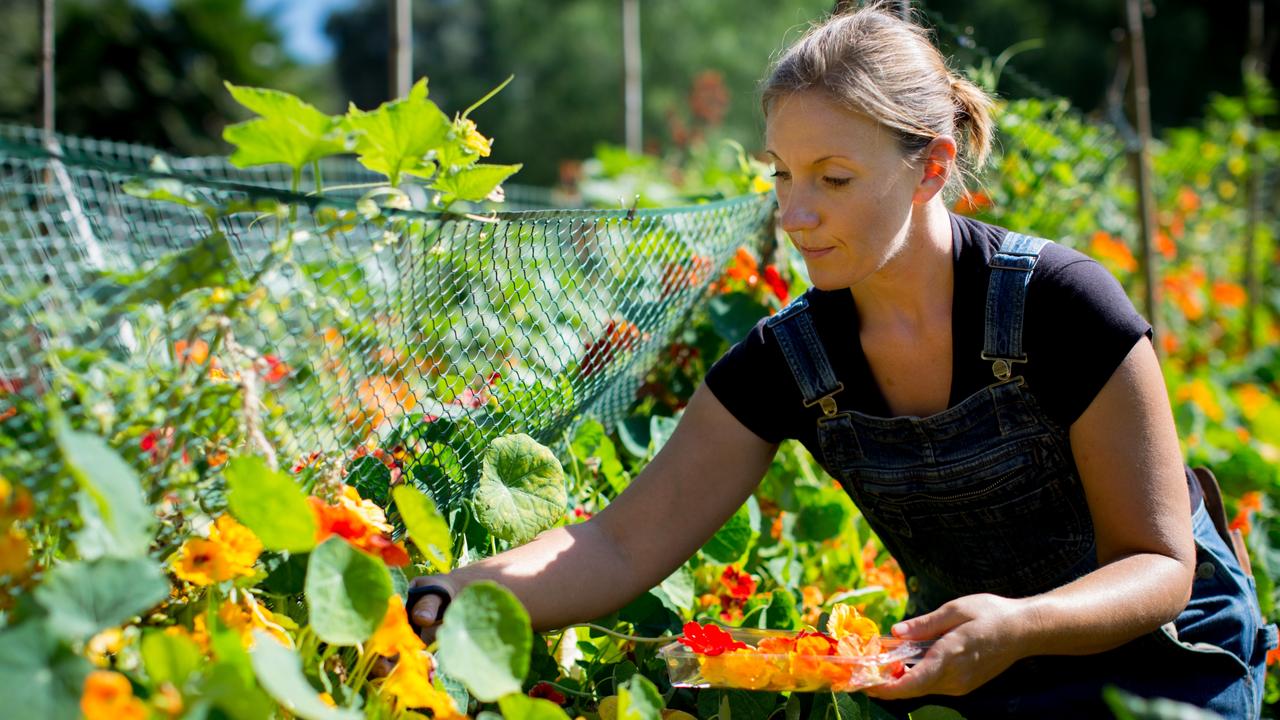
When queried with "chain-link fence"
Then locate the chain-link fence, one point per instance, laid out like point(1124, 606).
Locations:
point(187, 310)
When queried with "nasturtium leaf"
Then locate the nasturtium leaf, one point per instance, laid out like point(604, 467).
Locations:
point(748, 705)
point(371, 478)
point(819, 522)
point(734, 314)
point(346, 592)
point(289, 131)
point(237, 694)
point(169, 658)
point(279, 669)
point(474, 183)
point(166, 189)
point(39, 676)
point(845, 707)
point(638, 699)
point(781, 613)
point(427, 527)
point(208, 263)
point(937, 712)
point(85, 598)
point(661, 428)
point(733, 540)
point(485, 641)
point(115, 491)
point(521, 490)
point(397, 137)
point(591, 441)
point(676, 592)
point(270, 504)
point(522, 707)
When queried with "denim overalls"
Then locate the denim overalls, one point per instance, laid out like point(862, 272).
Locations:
point(984, 497)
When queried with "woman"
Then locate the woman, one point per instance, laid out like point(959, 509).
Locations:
point(992, 403)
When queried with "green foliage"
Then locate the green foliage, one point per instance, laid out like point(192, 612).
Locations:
point(522, 489)
point(170, 658)
point(290, 131)
point(396, 138)
point(270, 504)
point(84, 598)
point(427, 528)
point(485, 641)
point(346, 591)
point(116, 499)
point(280, 672)
point(38, 674)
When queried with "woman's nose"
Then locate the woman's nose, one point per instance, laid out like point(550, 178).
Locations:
point(797, 216)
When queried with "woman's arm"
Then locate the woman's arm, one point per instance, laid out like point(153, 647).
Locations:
point(707, 469)
point(1126, 450)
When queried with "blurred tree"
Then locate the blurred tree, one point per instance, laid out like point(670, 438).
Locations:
point(127, 73)
point(1194, 48)
point(567, 61)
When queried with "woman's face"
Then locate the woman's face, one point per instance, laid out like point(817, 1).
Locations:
point(845, 189)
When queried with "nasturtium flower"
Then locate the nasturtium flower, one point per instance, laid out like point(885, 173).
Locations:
point(739, 585)
point(15, 551)
point(108, 695)
point(229, 552)
point(106, 643)
point(410, 684)
point(241, 546)
point(361, 523)
point(708, 639)
point(739, 668)
point(394, 635)
point(845, 621)
point(201, 562)
point(248, 615)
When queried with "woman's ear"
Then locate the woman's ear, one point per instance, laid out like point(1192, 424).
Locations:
point(939, 159)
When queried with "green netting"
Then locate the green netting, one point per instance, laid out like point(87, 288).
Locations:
point(295, 324)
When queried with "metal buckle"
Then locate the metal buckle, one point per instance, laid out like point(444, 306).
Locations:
point(827, 402)
point(1002, 367)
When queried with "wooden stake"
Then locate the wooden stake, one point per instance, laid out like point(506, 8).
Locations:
point(633, 89)
point(400, 57)
point(1142, 157)
point(46, 70)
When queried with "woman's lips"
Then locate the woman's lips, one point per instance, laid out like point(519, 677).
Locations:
point(814, 252)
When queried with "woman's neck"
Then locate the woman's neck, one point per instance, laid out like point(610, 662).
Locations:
point(912, 291)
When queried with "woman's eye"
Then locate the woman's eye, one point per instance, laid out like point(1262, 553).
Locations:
point(836, 181)
point(781, 175)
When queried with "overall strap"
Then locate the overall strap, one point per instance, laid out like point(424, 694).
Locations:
point(798, 337)
point(1006, 300)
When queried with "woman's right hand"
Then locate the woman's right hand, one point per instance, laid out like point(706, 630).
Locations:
point(426, 615)
point(428, 612)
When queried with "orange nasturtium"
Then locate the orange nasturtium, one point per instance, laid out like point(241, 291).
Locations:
point(229, 552)
point(805, 661)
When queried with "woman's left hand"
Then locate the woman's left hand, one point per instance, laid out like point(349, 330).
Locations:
point(975, 638)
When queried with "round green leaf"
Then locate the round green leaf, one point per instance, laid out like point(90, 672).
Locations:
point(169, 658)
point(521, 490)
point(39, 677)
point(485, 641)
point(427, 527)
point(85, 598)
point(346, 592)
point(270, 504)
point(523, 707)
point(279, 669)
point(638, 699)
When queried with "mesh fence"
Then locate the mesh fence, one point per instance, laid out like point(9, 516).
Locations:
point(190, 312)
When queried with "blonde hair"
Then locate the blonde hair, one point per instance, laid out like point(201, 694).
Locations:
point(873, 62)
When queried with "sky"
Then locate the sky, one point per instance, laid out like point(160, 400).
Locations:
point(300, 21)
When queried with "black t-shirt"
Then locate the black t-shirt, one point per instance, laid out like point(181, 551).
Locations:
point(1078, 327)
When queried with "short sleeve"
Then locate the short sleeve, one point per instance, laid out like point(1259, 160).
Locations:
point(750, 380)
point(1080, 326)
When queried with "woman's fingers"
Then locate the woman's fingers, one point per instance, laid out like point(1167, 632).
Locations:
point(383, 666)
point(425, 614)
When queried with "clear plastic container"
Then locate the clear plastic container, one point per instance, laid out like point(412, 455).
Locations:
point(752, 669)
